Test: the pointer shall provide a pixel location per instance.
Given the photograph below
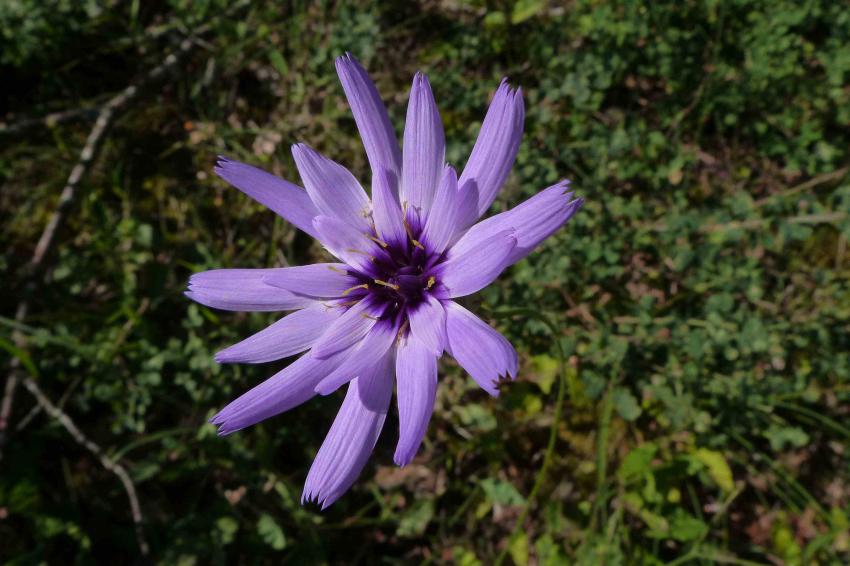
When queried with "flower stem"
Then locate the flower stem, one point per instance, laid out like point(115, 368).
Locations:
point(540, 478)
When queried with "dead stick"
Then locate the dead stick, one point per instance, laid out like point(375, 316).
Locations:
point(106, 115)
point(805, 186)
point(111, 465)
point(49, 121)
point(105, 118)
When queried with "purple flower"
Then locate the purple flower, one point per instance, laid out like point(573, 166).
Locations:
point(387, 309)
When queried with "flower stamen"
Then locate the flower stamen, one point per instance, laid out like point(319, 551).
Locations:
point(407, 229)
point(378, 241)
point(344, 304)
point(350, 289)
point(385, 284)
point(401, 331)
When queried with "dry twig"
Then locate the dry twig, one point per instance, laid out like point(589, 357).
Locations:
point(106, 115)
point(113, 466)
point(105, 118)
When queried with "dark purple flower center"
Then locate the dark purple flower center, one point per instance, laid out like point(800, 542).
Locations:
point(400, 277)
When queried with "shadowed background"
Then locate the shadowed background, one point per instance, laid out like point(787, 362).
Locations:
point(683, 341)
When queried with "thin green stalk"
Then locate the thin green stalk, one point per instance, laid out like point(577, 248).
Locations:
point(553, 429)
point(824, 420)
point(148, 439)
point(464, 506)
point(600, 505)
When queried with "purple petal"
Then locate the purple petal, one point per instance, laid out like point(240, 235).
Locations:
point(533, 221)
point(242, 290)
point(352, 436)
point(471, 266)
point(289, 201)
point(496, 147)
point(449, 207)
point(484, 353)
point(286, 389)
point(373, 347)
point(316, 280)
point(332, 187)
point(416, 385)
point(371, 116)
point(424, 148)
point(428, 324)
point(348, 329)
point(389, 219)
point(346, 242)
point(290, 335)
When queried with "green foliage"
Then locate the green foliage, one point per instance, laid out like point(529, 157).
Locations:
point(701, 296)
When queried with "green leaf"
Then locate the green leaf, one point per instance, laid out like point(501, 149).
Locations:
point(544, 370)
point(532, 404)
point(782, 436)
point(525, 9)
point(718, 468)
point(227, 527)
point(658, 525)
point(494, 20)
point(518, 549)
point(23, 496)
point(626, 404)
point(22, 356)
point(785, 544)
point(278, 62)
point(637, 463)
point(415, 521)
point(270, 532)
point(549, 552)
point(464, 557)
point(685, 527)
point(476, 417)
point(501, 492)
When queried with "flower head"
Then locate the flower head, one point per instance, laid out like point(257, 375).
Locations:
point(385, 313)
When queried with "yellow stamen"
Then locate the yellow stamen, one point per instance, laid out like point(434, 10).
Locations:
point(401, 332)
point(338, 270)
point(431, 282)
point(406, 224)
point(378, 241)
point(385, 284)
point(369, 316)
point(407, 229)
point(349, 290)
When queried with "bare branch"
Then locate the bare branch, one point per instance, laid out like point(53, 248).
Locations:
point(810, 184)
point(49, 121)
point(113, 466)
point(106, 116)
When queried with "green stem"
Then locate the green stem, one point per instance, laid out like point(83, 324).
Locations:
point(553, 429)
point(601, 502)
